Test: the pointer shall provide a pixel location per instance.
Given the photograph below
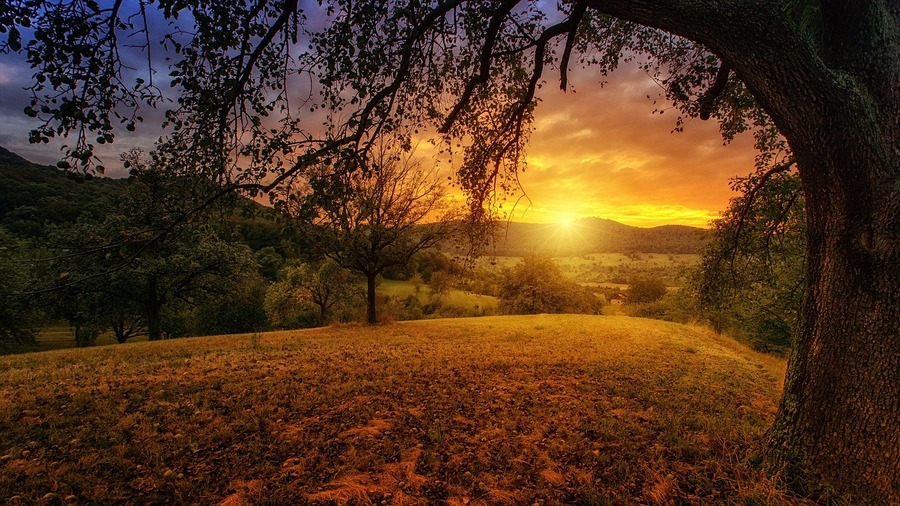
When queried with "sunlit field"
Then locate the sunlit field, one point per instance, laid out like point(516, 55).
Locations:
point(466, 300)
point(496, 410)
point(614, 269)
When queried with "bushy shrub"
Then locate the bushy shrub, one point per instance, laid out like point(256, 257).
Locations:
point(537, 285)
point(645, 289)
point(412, 307)
point(677, 306)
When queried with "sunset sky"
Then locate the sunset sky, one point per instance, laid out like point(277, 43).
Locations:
point(601, 152)
point(597, 151)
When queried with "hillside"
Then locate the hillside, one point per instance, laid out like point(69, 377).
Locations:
point(32, 195)
point(596, 235)
point(499, 410)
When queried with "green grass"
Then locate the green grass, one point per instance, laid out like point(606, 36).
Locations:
point(499, 410)
point(613, 259)
point(608, 260)
point(59, 336)
point(458, 298)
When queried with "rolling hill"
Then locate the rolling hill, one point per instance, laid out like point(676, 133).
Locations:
point(596, 235)
point(501, 410)
point(32, 196)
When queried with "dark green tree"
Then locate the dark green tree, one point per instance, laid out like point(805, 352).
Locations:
point(751, 277)
point(329, 285)
point(239, 308)
point(821, 73)
point(537, 285)
point(108, 275)
point(270, 262)
point(124, 268)
point(18, 314)
point(645, 289)
point(311, 288)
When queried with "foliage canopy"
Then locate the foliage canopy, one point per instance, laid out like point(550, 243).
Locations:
point(537, 285)
point(751, 278)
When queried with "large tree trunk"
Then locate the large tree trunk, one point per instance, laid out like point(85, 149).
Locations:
point(838, 426)
point(837, 432)
point(833, 90)
point(371, 317)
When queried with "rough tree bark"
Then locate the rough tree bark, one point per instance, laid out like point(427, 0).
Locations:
point(838, 425)
point(837, 101)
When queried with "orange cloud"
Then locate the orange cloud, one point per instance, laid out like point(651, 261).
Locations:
point(600, 151)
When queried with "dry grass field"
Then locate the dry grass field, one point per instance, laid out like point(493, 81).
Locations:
point(499, 410)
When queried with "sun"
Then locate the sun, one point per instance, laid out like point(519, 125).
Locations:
point(567, 221)
point(565, 232)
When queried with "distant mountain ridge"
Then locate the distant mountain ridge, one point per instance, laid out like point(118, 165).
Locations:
point(596, 235)
point(33, 195)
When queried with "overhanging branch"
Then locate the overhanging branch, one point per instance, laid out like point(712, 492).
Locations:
point(575, 19)
point(750, 197)
point(484, 63)
point(405, 63)
point(709, 99)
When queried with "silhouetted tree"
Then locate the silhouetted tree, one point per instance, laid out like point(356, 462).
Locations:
point(372, 217)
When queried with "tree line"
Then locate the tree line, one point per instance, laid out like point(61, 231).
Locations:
point(139, 259)
point(242, 267)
